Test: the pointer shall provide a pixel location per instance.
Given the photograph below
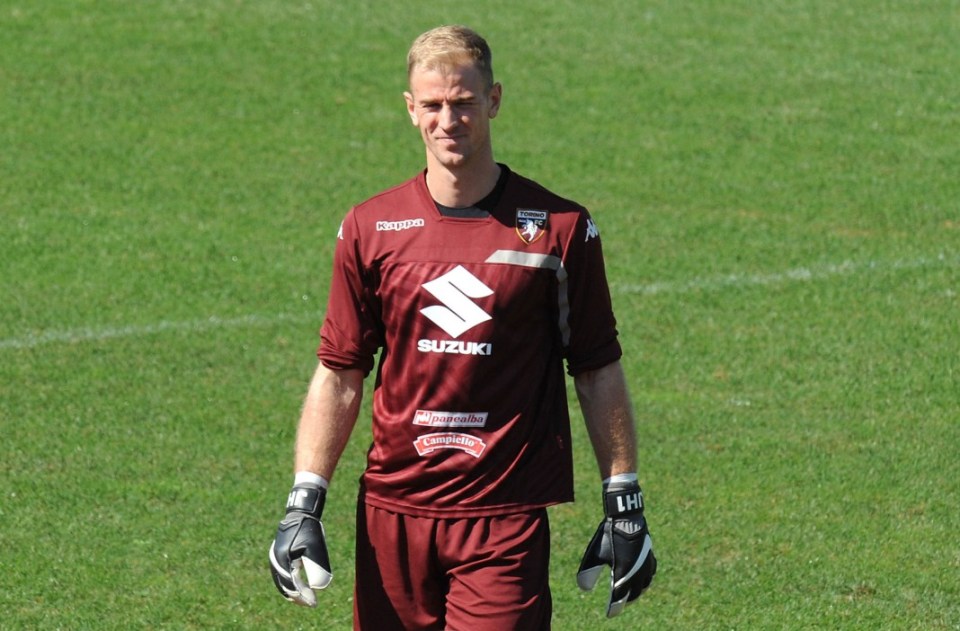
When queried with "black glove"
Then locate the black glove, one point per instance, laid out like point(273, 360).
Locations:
point(300, 546)
point(623, 542)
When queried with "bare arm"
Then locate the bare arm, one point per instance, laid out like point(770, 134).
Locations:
point(329, 415)
point(608, 414)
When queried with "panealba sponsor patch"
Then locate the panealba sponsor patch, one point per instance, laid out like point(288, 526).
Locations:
point(429, 443)
point(531, 224)
point(435, 418)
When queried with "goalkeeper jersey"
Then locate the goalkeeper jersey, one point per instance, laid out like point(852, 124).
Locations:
point(474, 320)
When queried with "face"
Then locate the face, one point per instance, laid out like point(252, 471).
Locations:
point(453, 108)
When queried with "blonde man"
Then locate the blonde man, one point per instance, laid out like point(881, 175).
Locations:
point(477, 287)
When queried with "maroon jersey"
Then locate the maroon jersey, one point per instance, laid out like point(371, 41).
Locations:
point(474, 319)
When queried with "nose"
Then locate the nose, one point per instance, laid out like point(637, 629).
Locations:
point(448, 116)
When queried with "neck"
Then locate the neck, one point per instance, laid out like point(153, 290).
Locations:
point(461, 189)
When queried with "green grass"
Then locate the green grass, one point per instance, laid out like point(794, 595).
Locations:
point(776, 184)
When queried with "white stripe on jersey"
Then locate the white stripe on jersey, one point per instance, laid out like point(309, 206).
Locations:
point(525, 259)
point(542, 261)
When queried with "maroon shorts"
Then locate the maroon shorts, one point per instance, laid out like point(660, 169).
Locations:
point(475, 574)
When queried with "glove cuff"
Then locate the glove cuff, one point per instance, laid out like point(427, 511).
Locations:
point(622, 499)
point(308, 499)
point(309, 478)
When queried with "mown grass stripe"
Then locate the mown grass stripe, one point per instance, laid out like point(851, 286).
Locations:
point(708, 283)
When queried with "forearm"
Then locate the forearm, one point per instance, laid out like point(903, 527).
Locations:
point(608, 414)
point(329, 414)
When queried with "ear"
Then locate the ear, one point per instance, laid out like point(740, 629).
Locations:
point(495, 97)
point(411, 107)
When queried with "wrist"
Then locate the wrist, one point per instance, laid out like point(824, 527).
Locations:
point(305, 478)
point(625, 478)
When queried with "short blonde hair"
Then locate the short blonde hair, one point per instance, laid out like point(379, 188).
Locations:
point(447, 46)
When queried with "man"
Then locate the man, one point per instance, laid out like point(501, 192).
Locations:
point(476, 285)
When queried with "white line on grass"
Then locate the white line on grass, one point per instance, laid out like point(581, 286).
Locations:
point(90, 334)
point(709, 283)
point(846, 268)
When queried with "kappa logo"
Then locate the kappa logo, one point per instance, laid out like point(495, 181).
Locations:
point(459, 313)
point(592, 231)
point(397, 226)
point(429, 443)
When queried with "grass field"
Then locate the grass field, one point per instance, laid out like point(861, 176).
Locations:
point(778, 188)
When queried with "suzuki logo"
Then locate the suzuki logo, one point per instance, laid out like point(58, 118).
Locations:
point(455, 290)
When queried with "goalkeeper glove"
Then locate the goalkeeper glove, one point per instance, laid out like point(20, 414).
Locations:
point(300, 547)
point(623, 542)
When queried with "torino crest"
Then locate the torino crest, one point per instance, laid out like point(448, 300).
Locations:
point(531, 224)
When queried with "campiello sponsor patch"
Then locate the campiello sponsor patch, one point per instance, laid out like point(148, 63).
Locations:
point(428, 443)
point(436, 418)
